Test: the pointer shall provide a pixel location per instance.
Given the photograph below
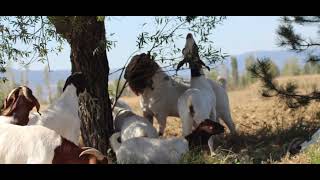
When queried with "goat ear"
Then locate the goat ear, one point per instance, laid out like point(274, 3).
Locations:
point(203, 64)
point(12, 107)
point(12, 96)
point(211, 127)
point(27, 92)
point(181, 63)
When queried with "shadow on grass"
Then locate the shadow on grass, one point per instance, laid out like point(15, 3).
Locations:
point(265, 145)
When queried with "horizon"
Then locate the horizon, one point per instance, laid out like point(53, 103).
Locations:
point(236, 35)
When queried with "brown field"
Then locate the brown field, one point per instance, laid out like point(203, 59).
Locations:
point(266, 127)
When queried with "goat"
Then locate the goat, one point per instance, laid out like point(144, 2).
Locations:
point(17, 106)
point(161, 151)
point(120, 103)
point(199, 102)
point(131, 125)
point(62, 115)
point(206, 99)
point(160, 93)
point(40, 145)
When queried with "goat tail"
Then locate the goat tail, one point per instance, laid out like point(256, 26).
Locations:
point(114, 141)
point(222, 81)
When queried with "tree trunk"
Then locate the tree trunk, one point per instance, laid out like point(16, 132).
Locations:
point(87, 40)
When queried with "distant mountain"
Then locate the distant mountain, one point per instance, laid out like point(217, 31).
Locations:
point(279, 57)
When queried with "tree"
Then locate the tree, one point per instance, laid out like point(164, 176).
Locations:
point(10, 75)
point(289, 38)
point(311, 68)
point(274, 69)
point(39, 92)
point(235, 72)
point(291, 67)
point(47, 83)
point(248, 62)
point(86, 36)
point(60, 85)
point(90, 58)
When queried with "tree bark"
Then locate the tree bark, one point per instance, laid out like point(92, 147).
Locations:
point(87, 40)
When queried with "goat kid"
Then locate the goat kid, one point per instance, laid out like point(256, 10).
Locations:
point(131, 125)
point(147, 150)
point(40, 145)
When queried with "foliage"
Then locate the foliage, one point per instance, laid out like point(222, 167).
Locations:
point(291, 68)
point(169, 29)
point(288, 37)
point(34, 33)
point(287, 92)
point(235, 71)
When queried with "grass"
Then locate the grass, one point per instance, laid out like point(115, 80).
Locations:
point(266, 128)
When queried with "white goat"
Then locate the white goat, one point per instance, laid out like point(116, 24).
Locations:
point(40, 145)
point(160, 100)
point(199, 102)
point(162, 151)
point(132, 125)
point(62, 115)
point(120, 103)
point(143, 150)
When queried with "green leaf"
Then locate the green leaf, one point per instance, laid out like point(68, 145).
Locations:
point(100, 18)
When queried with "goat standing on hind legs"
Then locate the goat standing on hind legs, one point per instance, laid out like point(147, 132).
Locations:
point(216, 97)
point(199, 103)
point(160, 92)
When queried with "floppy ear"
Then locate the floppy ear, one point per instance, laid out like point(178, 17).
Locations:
point(181, 63)
point(211, 127)
point(27, 92)
point(203, 64)
point(10, 98)
point(12, 107)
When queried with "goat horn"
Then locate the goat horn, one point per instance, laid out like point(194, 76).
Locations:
point(30, 97)
point(85, 148)
point(93, 151)
point(5, 104)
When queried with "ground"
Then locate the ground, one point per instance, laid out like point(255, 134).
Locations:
point(266, 127)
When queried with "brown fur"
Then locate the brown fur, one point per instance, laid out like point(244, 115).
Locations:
point(139, 72)
point(19, 105)
point(203, 132)
point(68, 153)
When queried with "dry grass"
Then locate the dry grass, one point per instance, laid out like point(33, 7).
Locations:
point(266, 127)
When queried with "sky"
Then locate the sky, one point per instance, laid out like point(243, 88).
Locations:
point(236, 35)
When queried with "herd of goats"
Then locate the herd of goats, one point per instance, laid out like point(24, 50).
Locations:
point(52, 136)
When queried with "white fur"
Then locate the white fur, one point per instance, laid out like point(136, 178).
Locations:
point(202, 109)
point(162, 101)
point(314, 139)
point(6, 119)
point(144, 150)
point(120, 103)
point(27, 144)
point(132, 125)
point(61, 116)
